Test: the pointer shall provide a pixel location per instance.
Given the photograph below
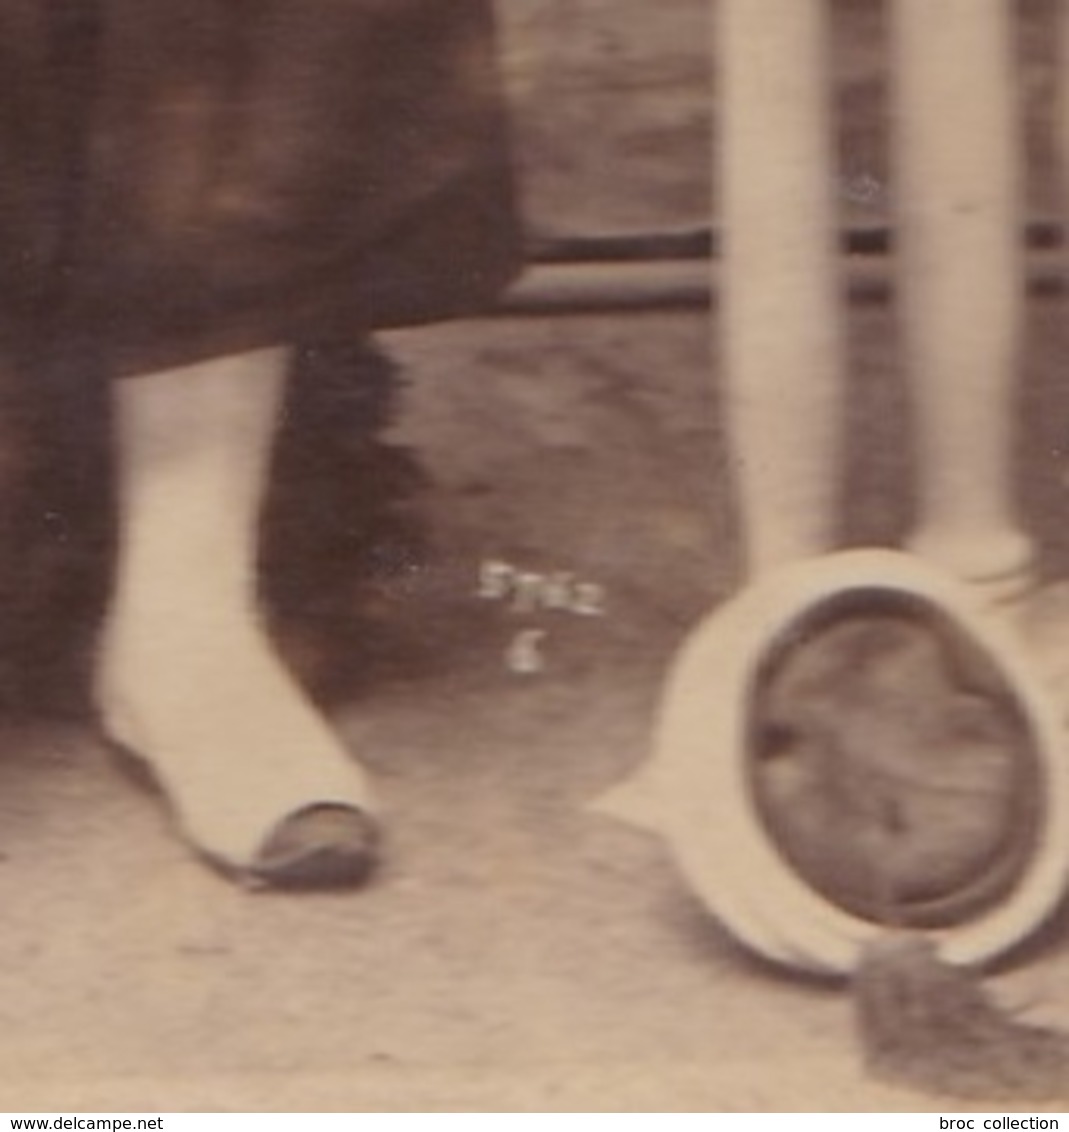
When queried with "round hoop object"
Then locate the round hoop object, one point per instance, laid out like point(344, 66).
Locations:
point(805, 828)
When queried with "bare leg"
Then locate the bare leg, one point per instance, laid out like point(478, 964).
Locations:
point(958, 162)
point(782, 318)
point(186, 674)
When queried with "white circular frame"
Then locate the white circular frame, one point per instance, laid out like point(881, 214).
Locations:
point(706, 803)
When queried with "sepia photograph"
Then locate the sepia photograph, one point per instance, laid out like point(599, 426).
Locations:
point(535, 556)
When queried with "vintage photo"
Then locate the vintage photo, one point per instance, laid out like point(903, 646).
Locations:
point(534, 569)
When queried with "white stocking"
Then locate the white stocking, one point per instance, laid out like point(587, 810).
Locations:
point(186, 675)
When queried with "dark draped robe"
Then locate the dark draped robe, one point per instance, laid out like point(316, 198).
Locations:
point(183, 178)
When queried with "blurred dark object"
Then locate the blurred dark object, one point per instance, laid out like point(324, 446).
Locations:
point(930, 1026)
point(339, 530)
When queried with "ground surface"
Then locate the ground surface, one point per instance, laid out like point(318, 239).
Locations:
point(517, 952)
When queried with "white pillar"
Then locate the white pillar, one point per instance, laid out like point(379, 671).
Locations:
point(781, 318)
point(958, 168)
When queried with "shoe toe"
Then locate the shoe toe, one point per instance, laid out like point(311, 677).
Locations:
point(327, 845)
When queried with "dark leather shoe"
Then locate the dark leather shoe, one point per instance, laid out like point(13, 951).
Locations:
point(325, 845)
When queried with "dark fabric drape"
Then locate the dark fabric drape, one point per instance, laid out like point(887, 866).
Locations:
point(212, 175)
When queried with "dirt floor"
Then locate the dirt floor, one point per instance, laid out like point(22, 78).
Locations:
point(517, 952)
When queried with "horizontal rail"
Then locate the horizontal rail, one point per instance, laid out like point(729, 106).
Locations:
point(575, 287)
point(703, 242)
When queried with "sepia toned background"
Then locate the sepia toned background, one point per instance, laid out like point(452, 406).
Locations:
point(516, 952)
